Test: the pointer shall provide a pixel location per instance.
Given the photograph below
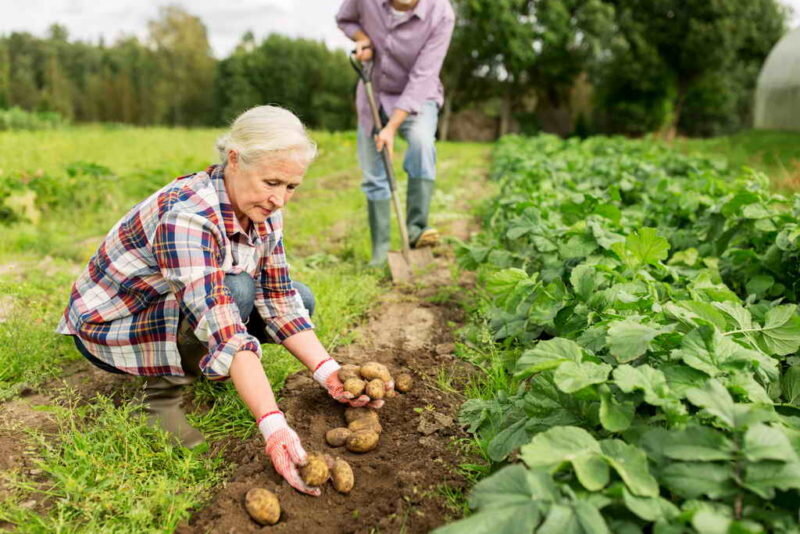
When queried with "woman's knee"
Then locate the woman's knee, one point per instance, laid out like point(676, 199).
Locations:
point(309, 301)
point(243, 290)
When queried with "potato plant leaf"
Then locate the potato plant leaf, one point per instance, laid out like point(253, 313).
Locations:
point(630, 463)
point(571, 377)
point(629, 339)
point(548, 355)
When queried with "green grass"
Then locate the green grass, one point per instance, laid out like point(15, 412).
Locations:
point(109, 472)
point(772, 152)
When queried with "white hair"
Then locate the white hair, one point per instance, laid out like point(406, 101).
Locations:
point(266, 130)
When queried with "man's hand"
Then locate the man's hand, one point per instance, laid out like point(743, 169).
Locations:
point(364, 49)
point(285, 450)
point(386, 138)
point(327, 375)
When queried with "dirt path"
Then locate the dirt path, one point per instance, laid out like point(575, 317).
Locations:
point(398, 485)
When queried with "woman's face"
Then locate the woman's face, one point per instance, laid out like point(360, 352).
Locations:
point(258, 190)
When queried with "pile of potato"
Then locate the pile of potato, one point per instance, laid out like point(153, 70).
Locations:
point(361, 435)
point(363, 426)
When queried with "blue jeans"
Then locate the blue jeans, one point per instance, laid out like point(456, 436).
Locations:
point(243, 290)
point(420, 159)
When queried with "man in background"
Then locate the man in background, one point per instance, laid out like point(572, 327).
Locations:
point(407, 40)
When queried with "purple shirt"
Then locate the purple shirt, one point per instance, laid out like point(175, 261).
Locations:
point(408, 52)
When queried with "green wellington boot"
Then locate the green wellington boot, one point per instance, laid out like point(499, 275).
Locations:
point(419, 197)
point(162, 404)
point(380, 214)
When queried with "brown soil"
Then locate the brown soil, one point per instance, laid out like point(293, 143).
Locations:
point(398, 485)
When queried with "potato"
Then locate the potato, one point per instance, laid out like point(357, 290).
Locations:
point(263, 506)
point(348, 371)
point(355, 386)
point(351, 414)
point(342, 476)
point(362, 441)
point(403, 382)
point(376, 389)
point(390, 394)
point(365, 423)
point(315, 472)
point(374, 370)
point(336, 437)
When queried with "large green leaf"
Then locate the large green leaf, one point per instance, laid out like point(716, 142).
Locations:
point(707, 350)
point(781, 332)
point(764, 478)
point(571, 377)
point(790, 384)
point(508, 502)
point(508, 440)
point(629, 339)
point(630, 463)
point(580, 518)
point(568, 444)
point(651, 381)
point(694, 479)
point(716, 400)
point(615, 416)
point(698, 443)
point(642, 248)
point(548, 355)
point(649, 508)
point(762, 442)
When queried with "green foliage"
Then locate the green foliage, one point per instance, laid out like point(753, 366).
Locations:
point(300, 74)
point(18, 119)
point(649, 300)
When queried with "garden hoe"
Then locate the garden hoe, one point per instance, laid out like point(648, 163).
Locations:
point(401, 264)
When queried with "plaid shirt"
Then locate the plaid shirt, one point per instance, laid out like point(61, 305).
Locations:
point(168, 257)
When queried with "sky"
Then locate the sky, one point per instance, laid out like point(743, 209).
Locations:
point(88, 20)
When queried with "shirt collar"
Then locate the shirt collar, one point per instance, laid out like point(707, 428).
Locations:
point(258, 231)
point(387, 4)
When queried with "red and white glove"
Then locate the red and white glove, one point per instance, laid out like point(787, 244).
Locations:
point(285, 451)
point(327, 375)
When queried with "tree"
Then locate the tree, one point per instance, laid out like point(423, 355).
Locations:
point(686, 44)
point(186, 65)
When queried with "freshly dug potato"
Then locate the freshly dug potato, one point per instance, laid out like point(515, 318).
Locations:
point(373, 370)
point(362, 441)
point(348, 371)
point(263, 506)
point(376, 389)
point(365, 423)
point(403, 382)
point(336, 437)
point(390, 394)
point(355, 386)
point(315, 472)
point(342, 476)
point(351, 414)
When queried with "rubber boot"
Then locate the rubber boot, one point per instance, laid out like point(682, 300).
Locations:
point(162, 404)
point(379, 229)
point(419, 197)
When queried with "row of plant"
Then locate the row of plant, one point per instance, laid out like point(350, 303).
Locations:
point(645, 304)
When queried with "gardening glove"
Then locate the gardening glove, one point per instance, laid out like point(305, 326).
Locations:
point(327, 375)
point(285, 451)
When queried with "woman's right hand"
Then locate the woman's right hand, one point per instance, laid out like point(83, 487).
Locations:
point(285, 451)
point(364, 49)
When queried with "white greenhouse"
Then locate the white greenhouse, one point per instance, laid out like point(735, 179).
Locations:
point(778, 90)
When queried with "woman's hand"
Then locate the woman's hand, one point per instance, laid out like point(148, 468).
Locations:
point(285, 450)
point(327, 375)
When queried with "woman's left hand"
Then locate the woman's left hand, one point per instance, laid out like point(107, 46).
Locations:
point(327, 375)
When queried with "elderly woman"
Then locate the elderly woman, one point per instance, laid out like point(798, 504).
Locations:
point(191, 280)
